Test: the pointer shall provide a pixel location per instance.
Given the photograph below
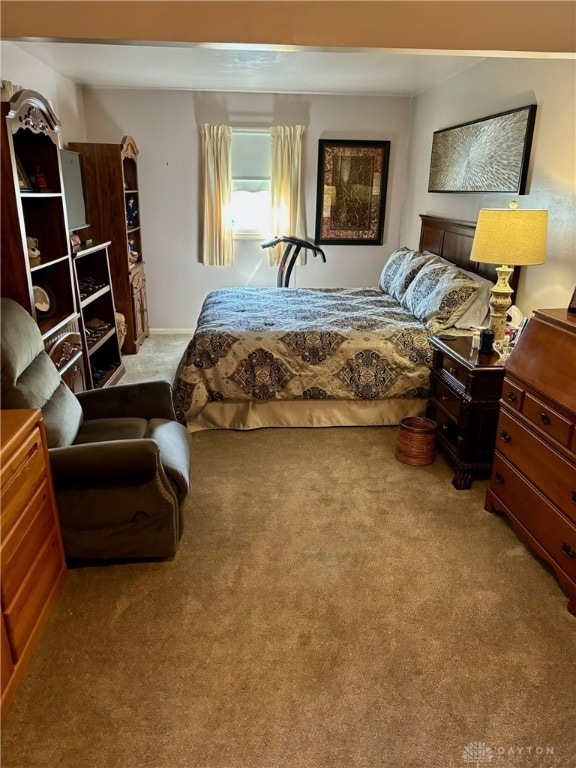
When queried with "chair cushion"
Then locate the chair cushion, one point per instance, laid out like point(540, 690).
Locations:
point(101, 430)
point(174, 442)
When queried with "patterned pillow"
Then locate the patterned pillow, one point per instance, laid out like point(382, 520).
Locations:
point(439, 295)
point(412, 267)
point(400, 269)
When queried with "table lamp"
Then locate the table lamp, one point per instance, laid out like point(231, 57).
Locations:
point(509, 237)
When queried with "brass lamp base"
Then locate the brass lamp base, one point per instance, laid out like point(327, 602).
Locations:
point(500, 302)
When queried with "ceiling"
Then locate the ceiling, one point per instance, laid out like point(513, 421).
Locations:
point(249, 68)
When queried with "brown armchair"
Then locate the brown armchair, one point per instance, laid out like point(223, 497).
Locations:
point(120, 460)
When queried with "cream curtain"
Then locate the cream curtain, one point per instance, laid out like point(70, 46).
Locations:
point(217, 243)
point(288, 216)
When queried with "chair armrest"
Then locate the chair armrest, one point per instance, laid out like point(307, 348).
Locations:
point(113, 462)
point(145, 400)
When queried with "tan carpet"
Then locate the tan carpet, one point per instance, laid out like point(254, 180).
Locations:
point(329, 608)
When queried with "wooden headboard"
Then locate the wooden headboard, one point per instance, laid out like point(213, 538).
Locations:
point(452, 240)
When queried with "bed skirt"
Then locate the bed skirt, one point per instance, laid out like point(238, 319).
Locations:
point(303, 413)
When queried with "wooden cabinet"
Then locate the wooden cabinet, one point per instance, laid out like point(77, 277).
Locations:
point(111, 176)
point(466, 388)
point(534, 475)
point(34, 213)
point(97, 310)
point(32, 556)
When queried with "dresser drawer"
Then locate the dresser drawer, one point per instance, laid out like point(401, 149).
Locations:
point(512, 395)
point(26, 539)
point(445, 397)
point(547, 419)
point(541, 464)
point(22, 614)
point(21, 474)
point(553, 531)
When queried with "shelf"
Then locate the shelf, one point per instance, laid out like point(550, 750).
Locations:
point(49, 326)
point(70, 363)
point(86, 250)
point(111, 376)
point(93, 296)
point(94, 345)
point(44, 265)
point(39, 195)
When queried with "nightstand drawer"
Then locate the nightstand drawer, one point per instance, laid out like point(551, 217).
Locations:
point(512, 395)
point(556, 534)
point(448, 429)
point(547, 419)
point(445, 397)
point(455, 369)
point(540, 463)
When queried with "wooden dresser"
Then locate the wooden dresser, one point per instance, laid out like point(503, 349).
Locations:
point(32, 556)
point(534, 474)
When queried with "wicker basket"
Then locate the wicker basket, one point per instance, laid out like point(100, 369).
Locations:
point(416, 441)
point(121, 328)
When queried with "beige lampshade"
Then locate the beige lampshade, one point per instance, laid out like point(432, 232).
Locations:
point(507, 236)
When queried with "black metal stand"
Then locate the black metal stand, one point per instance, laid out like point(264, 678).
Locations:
point(289, 257)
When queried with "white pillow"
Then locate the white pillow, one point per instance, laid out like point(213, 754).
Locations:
point(480, 307)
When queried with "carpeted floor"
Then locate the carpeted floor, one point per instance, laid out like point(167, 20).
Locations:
point(329, 607)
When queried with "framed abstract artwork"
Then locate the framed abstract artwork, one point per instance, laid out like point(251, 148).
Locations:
point(487, 155)
point(351, 197)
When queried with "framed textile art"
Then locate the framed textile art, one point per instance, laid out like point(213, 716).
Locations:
point(351, 197)
point(487, 155)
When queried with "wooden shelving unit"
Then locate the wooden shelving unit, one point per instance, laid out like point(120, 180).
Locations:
point(96, 299)
point(33, 206)
point(111, 175)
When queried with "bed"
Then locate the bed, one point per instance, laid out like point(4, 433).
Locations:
point(301, 357)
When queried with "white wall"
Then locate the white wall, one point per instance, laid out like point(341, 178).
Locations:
point(64, 95)
point(489, 87)
point(164, 124)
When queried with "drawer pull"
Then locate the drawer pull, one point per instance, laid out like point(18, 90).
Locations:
point(568, 551)
point(544, 418)
point(444, 398)
point(499, 479)
point(511, 397)
point(505, 436)
point(453, 371)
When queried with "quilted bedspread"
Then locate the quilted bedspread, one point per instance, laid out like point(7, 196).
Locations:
point(301, 343)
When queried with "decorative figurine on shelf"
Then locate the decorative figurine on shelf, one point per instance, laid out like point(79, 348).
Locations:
point(131, 212)
point(33, 251)
point(133, 255)
point(38, 181)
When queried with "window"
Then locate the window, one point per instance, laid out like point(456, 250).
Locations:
point(251, 186)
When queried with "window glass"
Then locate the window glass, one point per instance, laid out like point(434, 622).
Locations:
point(251, 171)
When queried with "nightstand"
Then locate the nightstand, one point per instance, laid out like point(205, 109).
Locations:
point(466, 389)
